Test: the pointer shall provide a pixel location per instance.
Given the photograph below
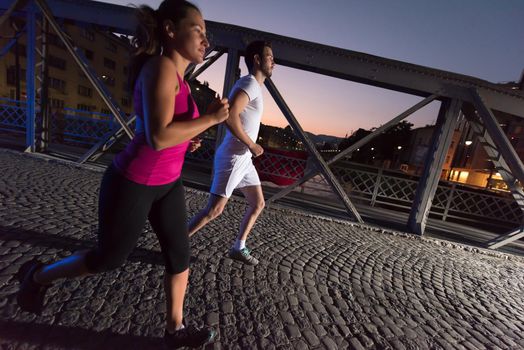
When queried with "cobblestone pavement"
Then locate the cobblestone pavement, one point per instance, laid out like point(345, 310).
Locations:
point(321, 284)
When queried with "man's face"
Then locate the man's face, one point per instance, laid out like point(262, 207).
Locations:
point(267, 63)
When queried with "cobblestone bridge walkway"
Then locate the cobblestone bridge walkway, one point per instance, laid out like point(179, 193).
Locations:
point(321, 284)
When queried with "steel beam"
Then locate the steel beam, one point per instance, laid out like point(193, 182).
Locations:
point(506, 238)
point(317, 158)
point(231, 76)
point(502, 168)
point(206, 65)
point(372, 70)
point(313, 57)
point(312, 173)
point(30, 79)
point(491, 149)
point(11, 7)
point(499, 138)
point(11, 42)
point(105, 143)
point(45, 134)
point(190, 69)
point(435, 158)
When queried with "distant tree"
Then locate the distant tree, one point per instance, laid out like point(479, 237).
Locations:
point(382, 147)
point(357, 135)
point(389, 142)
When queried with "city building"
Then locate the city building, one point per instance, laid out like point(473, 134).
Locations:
point(472, 165)
point(107, 53)
point(466, 160)
point(414, 156)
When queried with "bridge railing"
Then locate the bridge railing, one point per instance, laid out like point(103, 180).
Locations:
point(454, 202)
point(13, 116)
point(376, 187)
point(81, 127)
point(68, 125)
point(365, 185)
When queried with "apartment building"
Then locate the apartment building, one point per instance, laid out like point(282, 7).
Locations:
point(107, 53)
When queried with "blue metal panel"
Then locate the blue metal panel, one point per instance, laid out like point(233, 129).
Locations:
point(30, 78)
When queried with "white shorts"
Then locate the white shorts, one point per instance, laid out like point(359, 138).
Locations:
point(231, 172)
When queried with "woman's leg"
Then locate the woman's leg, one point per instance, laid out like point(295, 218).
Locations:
point(72, 266)
point(168, 218)
point(175, 288)
point(123, 209)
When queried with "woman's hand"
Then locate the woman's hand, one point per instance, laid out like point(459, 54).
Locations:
point(218, 110)
point(194, 144)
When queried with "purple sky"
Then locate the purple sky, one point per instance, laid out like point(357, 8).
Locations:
point(481, 38)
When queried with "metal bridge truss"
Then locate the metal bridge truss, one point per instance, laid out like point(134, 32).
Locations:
point(479, 100)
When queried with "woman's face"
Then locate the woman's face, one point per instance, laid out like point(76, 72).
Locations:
point(190, 37)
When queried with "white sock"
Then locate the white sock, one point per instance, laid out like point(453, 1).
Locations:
point(239, 244)
point(177, 328)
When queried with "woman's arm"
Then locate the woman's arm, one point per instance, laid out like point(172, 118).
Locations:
point(160, 86)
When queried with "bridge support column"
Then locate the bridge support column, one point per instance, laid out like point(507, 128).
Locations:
point(446, 123)
point(30, 79)
point(231, 76)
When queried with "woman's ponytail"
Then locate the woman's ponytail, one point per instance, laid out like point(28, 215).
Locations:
point(147, 38)
point(146, 41)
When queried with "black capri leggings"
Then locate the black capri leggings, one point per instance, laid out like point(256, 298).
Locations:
point(123, 208)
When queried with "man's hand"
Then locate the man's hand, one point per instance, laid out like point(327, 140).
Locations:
point(256, 150)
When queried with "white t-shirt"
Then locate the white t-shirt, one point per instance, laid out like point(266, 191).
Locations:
point(250, 117)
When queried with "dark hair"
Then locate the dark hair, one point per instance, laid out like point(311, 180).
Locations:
point(148, 38)
point(255, 48)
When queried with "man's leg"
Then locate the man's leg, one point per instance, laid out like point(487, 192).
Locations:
point(256, 203)
point(215, 207)
point(255, 200)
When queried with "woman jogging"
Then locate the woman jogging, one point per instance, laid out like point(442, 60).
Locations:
point(143, 182)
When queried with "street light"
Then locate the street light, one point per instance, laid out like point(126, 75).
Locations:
point(468, 142)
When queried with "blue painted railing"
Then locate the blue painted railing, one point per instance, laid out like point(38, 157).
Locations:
point(68, 125)
point(81, 127)
point(13, 115)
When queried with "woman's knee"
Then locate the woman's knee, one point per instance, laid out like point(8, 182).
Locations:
point(97, 262)
point(177, 263)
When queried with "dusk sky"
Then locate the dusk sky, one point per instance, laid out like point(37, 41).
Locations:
point(480, 38)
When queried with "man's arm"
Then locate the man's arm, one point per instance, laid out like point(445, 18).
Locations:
point(237, 105)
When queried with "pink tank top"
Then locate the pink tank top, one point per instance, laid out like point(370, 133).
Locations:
point(139, 162)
